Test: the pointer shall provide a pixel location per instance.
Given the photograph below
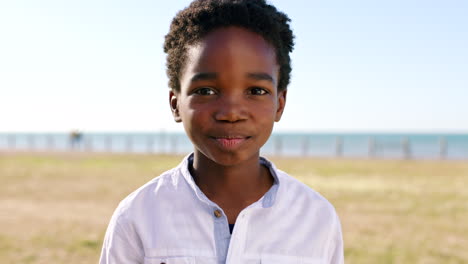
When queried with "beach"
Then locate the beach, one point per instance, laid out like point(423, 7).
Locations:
point(55, 207)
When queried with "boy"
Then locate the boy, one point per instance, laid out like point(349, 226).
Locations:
point(228, 65)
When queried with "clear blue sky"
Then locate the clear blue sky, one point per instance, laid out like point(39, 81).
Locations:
point(94, 65)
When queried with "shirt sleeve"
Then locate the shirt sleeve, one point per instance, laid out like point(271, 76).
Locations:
point(121, 245)
point(336, 247)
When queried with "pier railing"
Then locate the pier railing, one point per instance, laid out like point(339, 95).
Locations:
point(402, 147)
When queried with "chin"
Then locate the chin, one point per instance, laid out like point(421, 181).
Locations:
point(227, 159)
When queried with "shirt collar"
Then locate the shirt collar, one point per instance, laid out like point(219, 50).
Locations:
point(267, 200)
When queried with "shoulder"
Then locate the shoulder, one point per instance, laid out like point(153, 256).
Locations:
point(160, 188)
point(123, 238)
point(306, 209)
point(292, 191)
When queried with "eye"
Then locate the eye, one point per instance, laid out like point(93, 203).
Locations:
point(205, 91)
point(258, 91)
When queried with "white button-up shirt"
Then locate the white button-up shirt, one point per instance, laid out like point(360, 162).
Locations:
point(169, 220)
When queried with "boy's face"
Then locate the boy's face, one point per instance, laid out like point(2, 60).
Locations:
point(228, 100)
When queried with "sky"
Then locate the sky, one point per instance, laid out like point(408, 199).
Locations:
point(358, 66)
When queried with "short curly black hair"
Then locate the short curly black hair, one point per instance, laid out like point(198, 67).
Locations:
point(203, 16)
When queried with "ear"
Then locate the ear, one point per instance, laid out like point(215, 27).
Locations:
point(281, 104)
point(174, 103)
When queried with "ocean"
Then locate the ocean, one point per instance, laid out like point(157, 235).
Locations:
point(352, 145)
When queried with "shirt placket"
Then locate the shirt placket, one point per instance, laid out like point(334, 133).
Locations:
point(238, 237)
point(221, 233)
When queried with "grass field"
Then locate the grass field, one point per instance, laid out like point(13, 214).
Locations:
point(54, 208)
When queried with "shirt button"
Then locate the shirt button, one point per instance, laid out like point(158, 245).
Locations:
point(217, 213)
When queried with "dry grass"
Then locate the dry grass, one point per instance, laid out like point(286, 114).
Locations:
point(54, 208)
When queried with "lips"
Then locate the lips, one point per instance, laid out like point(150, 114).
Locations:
point(231, 142)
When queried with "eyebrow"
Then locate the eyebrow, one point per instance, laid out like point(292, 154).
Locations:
point(203, 76)
point(258, 76)
point(261, 76)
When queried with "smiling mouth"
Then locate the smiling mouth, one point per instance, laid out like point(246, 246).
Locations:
point(231, 142)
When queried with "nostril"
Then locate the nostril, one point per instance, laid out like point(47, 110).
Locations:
point(231, 115)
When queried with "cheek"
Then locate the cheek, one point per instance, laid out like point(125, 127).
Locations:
point(195, 114)
point(188, 108)
point(264, 111)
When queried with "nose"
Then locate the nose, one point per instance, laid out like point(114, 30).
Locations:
point(231, 109)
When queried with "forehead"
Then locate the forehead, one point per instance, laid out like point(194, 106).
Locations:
point(231, 48)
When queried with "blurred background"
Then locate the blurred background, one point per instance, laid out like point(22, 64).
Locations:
point(376, 120)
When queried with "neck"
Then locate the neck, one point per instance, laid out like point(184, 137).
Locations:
point(240, 184)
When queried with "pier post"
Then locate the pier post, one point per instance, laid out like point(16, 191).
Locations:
point(372, 147)
point(173, 144)
point(109, 143)
point(338, 146)
point(150, 144)
point(129, 144)
point(305, 146)
point(50, 143)
point(406, 147)
point(88, 144)
point(31, 143)
point(442, 148)
point(162, 142)
point(11, 142)
point(278, 145)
